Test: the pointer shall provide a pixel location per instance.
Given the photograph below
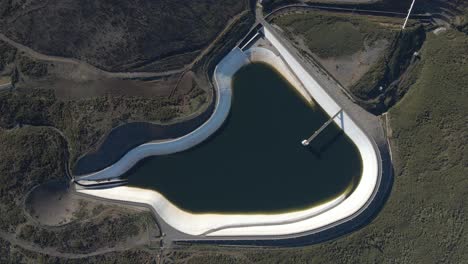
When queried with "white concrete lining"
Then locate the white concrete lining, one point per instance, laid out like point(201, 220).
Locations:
point(264, 224)
point(363, 191)
point(201, 223)
point(250, 40)
point(223, 75)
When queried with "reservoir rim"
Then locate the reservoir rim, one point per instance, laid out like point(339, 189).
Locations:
point(235, 232)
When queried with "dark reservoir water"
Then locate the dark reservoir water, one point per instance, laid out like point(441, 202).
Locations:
point(255, 162)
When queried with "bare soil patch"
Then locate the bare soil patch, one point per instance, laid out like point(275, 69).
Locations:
point(75, 82)
point(75, 90)
point(349, 69)
point(51, 204)
point(186, 83)
point(5, 80)
point(368, 55)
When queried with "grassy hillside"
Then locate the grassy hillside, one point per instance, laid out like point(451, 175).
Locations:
point(368, 55)
point(85, 121)
point(31, 156)
point(388, 70)
point(424, 220)
point(118, 35)
point(86, 107)
point(334, 35)
point(24, 162)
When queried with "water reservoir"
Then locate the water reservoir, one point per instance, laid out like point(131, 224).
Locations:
point(255, 163)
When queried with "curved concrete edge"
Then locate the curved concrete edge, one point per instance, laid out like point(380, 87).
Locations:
point(223, 77)
point(264, 55)
point(264, 225)
point(209, 223)
point(363, 192)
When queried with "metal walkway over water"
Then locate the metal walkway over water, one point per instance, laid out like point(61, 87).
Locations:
point(306, 142)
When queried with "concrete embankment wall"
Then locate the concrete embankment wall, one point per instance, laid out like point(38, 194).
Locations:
point(368, 183)
point(230, 225)
point(370, 173)
point(223, 72)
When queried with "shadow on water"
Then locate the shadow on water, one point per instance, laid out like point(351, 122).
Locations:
point(257, 154)
point(123, 138)
point(212, 137)
point(318, 146)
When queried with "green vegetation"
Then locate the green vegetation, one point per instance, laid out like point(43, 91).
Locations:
point(332, 34)
point(31, 68)
point(119, 35)
point(10, 253)
point(424, 220)
point(389, 68)
point(430, 122)
point(339, 37)
point(205, 67)
point(7, 55)
point(28, 156)
point(31, 156)
point(86, 121)
point(86, 106)
point(80, 236)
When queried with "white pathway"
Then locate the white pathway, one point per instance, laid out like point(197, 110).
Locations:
point(313, 218)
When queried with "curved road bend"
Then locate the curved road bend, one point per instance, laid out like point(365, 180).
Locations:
point(15, 241)
point(347, 10)
point(124, 75)
point(85, 65)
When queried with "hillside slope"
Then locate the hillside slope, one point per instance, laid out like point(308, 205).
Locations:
point(117, 35)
